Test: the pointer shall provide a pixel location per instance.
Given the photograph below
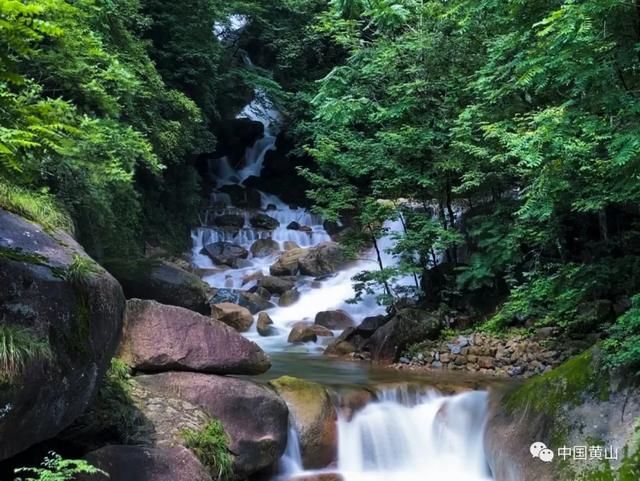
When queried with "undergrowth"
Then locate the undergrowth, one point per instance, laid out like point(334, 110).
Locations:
point(18, 347)
point(56, 468)
point(210, 445)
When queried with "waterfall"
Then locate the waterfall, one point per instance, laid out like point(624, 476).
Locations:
point(409, 436)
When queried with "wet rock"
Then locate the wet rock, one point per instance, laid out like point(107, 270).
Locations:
point(264, 221)
point(161, 281)
point(314, 417)
point(290, 245)
point(306, 229)
point(243, 197)
point(293, 226)
point(371, 324)
point(226, 253)
point(264, 248)
point(254, 302)
point(319, 477)
point(72, 328)
point(408, 326)
point(265, 325)
point(161, 338)
point(233, 315)
point(229, 221)
point(322, 259)
point(354, 400)
point(262, 292)
point(225, 295)
point(277, 285)
point(340, 348)
point(302, 332)
point(334, 319)
point(288, 263)
point(289, 297)
point(138, 463)
point(254, 417)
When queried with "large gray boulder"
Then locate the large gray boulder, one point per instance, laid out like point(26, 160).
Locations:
point(161, 281)
point(140, 463)
point(334, 319)
point(408, 326)
point(277, 285)
point(161, 338)
point(255, 418)
point(264, 248)
point(63, 314)
point(225, 253)
point(325, 258)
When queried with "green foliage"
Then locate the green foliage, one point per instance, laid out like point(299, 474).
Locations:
point(80, 270)
point(210, 445)
point(20, 346)
point(56, 468)
point(622, 349)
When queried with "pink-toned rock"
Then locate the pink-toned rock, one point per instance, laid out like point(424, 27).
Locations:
point(233, 315)
point(160, 338)
point(137, 463)
point(254, 417)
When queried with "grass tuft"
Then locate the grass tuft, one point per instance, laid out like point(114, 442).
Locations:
point(211, 446)
point(18, 347)
point(38, 207)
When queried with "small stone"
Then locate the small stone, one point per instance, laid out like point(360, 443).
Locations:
point(404, 360)
point(436, 365)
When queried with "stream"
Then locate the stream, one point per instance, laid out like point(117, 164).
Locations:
point(412, 431)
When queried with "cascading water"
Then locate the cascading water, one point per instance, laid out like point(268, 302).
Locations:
point(412, 437)
point(403, 436)
point(438, 438)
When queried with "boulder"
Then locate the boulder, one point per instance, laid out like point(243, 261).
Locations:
point(371, 324)
point(293, 225)
point(314, 418)
point(140, 463)
point(243, 197)
point(289, 297)
point(408, 326)
point(287, 263)
point(163, 282)
point(254, 302)
point(225, 295)
point(64, 313)
point(322, 259)
point(161, 338)
point(265, 325)
point(233, 315)
point(290, 245)
point(264, 221)
point(277, 285)
point(262, 292)
point(255, 418)
point(264, 248)
point(318, 477)
point(229, 221)
point(302, 332)
point(226, 253)
point(334, 320)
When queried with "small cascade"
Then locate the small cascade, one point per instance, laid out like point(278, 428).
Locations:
point(291, 460)
point(409, 435)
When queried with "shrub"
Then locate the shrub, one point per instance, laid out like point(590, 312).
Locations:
point(55, 468)
point(18, 347)
point(210, 445)
point(622, 348)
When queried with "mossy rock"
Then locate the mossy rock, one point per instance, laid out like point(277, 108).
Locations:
point(61, 314)
point(314, 418)
point(579, 403)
